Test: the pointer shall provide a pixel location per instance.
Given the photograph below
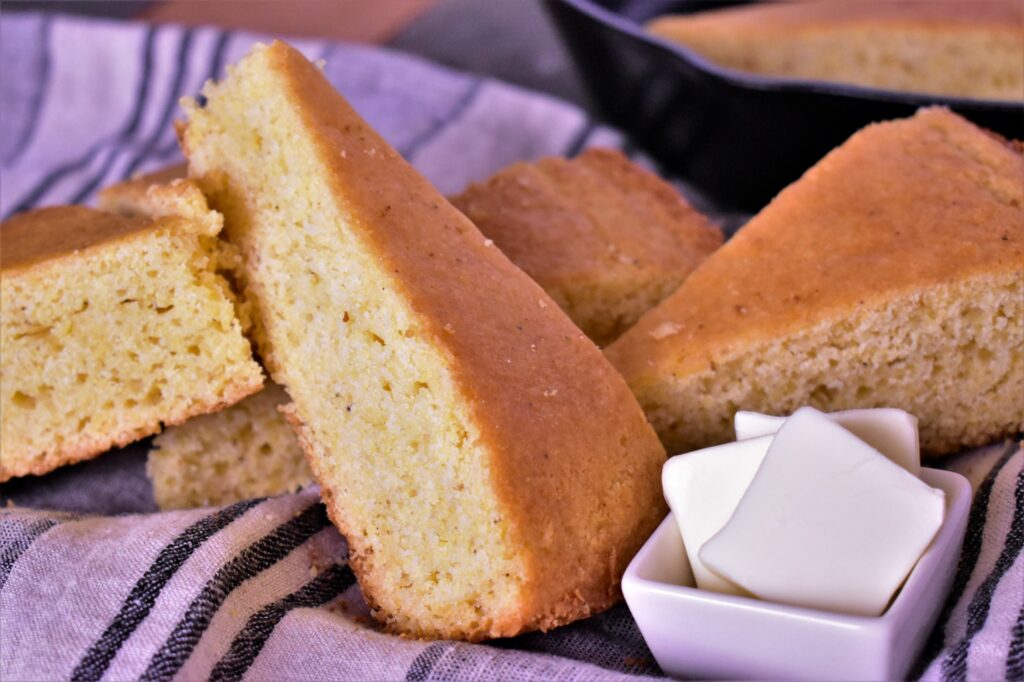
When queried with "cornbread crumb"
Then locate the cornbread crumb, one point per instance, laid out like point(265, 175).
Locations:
point(890, 275)
point(247, 450)
point(965, 48)
point(132, 197)
point(605, 238)
point(112, 326)
point(665, 329)
point(472, 508)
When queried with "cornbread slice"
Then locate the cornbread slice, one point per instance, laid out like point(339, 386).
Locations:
point(112, 326)
point(247, 450)
point(605, 238)
point(890, 275)
point(968, 48)
point(491, 471)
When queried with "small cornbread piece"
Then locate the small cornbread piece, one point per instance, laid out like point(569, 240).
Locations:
point(968, 48)
point(605, 238)
point(890, 275)
point(491, 471)
point(111, 326)
point(245, 451)
point(168, 192)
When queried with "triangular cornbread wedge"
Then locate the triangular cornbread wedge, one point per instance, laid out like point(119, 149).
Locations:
point(891, 274)
point(490, 470)
point(606, 238)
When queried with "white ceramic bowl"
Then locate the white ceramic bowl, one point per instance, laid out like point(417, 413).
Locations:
point(696, 633)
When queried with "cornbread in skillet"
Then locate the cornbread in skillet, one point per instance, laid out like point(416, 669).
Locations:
point(605, 238)
point(247, 450)
point(490, 470)
point(111, 327)
point(968, 48)
point(890, 275)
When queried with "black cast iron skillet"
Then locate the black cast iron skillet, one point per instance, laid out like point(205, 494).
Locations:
point(739, 137)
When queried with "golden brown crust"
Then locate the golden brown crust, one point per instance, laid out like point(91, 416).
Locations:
point(130, 210)
point(787, 17)
point(161, 194)
point(43, 243)
point(811, 255)
point(901, 207)
point(130, 192)
point(695, 235)
point(605, 238)
point(48, 233)
point(74, 451)
point(566, 435)
point(559, 218)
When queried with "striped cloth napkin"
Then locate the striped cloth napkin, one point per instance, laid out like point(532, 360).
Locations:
point(109, 589)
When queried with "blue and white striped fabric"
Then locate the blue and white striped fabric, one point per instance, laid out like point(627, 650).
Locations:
point(110, 589)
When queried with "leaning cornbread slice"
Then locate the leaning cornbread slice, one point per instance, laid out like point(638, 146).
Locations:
point(490, 470)
point(605, 238)
point(247, 450)
point(111, 327)
point(890, 275)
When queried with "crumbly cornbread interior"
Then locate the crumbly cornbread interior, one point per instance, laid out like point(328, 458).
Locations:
point(108, 333)
point(951, 354)
point(244, 451)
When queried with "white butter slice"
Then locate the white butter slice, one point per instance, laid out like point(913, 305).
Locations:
point(826, 523)
point(890, 431)
point(702, 489)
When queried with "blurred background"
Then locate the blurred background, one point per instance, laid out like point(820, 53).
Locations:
point(512, 40)
point(735, 135)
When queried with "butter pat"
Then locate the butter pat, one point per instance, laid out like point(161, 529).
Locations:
point(702, 489)
point(826, 523)
point(890, 431)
